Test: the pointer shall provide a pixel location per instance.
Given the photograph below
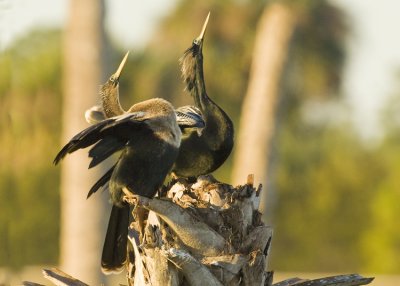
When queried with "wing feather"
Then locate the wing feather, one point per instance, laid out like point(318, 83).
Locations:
point(122, 127)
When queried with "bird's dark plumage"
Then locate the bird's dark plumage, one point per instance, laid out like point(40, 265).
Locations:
point(188, 118)
point(203, 153)
point(117, 129)
point(114, 255)
point(199, 155)
point(103, 181)
point(104, 149)
point(148, 138)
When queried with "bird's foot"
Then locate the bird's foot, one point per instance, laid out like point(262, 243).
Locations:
point(129, 198)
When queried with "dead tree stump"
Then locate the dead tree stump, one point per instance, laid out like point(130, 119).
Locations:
point(200, 232)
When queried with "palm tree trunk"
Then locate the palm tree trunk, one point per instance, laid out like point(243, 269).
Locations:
point(82, 221)
point(206, 233)
point(257, 123)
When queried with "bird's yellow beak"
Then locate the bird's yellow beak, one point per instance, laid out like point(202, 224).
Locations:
point(121, 66)
point(203, 30)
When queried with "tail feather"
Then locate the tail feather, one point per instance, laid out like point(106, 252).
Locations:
point(114, 254)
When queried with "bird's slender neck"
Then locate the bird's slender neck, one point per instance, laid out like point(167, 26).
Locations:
point(110, 102)
point(218, 123)
point(199, 91)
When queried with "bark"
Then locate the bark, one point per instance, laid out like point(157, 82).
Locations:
point(82, 221)
point(60, 278)
point(206, 231)
point(257, 122)
point(339, 280)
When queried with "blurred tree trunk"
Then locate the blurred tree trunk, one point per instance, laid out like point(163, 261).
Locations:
point(82, 221)
point(257, 122)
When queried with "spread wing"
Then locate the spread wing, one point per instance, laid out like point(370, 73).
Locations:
point(111, 134)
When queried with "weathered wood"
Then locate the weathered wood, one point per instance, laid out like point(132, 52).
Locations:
point(226, 268)
point(269, 278)
point(290, 282)
point(208, 228)
point(254, 270)
point(162, 272)
point(257, 239)
point(339, 280)
point(139, 273)
point(59, 278)
point(195, 273)
point(194, 233)
point(27, 283)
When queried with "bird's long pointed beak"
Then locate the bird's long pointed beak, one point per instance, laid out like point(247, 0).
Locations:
point(203, 30)
point(121, 66)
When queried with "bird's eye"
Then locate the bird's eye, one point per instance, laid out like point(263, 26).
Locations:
point(196, 42)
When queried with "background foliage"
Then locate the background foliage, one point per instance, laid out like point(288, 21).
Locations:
point(29, 136)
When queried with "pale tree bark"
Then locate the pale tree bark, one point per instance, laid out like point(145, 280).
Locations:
point(257, 122)
point(82, 221)
point(206, 233)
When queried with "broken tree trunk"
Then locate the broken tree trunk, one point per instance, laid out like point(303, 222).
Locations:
point(202, 233)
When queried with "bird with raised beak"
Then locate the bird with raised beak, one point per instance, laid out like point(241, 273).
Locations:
point(200, 155)
point(109, 96)
point(148, 139)
point(202, 151)
point(188, 117)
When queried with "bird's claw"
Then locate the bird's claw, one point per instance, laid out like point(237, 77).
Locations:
point(129, 198)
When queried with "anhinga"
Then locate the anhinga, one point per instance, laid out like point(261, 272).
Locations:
point(148, 137)
point(110, 106)
point(199, 155)
point(109, 96)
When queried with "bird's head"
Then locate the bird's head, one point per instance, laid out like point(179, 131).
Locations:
point(190, 119)
point(113, 81)
point(189, 59)
point(198, 42)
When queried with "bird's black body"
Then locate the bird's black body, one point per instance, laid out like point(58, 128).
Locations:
point(148, 142)
point(148, 138)
point(133, 161)
point(137, 171)
point(199, 155)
